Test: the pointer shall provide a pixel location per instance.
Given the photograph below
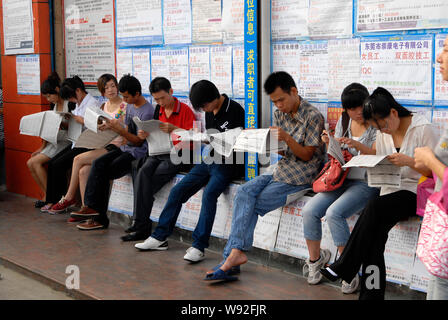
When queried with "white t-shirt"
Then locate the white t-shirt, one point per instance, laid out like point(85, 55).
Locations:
point(419, 134)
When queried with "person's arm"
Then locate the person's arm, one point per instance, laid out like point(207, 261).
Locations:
point(362, 148)
point(117, 126)
point(425, 158)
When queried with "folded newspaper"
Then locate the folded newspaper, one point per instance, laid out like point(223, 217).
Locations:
point(380, 171)
point(236, 140)
point(159, 142)
point(44, 124)
point(93, 137)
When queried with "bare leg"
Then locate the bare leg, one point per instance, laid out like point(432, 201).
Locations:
point(38, 172)
point(80, 161)
point(83, 177)
point(313, 249)
point(340, 250)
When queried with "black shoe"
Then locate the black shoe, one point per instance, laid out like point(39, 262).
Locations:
point(39, 204)
point(328, 275)
point(136, 236)
point(131, 229)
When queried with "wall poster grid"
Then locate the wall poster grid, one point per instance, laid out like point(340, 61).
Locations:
point(375, 42)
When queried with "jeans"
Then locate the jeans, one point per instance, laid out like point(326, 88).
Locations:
point(255, 198)
point(112, 165)
point(367, 242)
point(336, 206)
point(216, 178)
point(437, 289)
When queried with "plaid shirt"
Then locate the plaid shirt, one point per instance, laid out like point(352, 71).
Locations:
point(305, 127)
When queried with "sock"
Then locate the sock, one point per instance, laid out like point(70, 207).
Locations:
point(313, 261)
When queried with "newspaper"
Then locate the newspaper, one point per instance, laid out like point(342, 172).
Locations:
point(335, 150)
point(95, 116)
point(237, 140)
point(159, 142)
point(45, 125)
point(95, 140)
point(74, 130)
point(380, 171)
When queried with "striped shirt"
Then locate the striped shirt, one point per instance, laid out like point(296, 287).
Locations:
point(305, 127)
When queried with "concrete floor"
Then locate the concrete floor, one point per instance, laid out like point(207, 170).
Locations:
point(43, 245)
point(16, 286)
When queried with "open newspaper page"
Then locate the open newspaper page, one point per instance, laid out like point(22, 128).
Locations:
point(159, 142)
point(42, 124)
point(93, 117)
point(335, 150)
point(74, 130)
point(190, 135)
point(95, 140)
point(380, 171)
point(223, 142)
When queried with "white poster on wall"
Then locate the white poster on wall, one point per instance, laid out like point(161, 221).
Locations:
point(160, 66)
point(178, 70)
point(238, 72)
point(221, 68)
point(313, 72)
point(232, 21)
point(206, 21)
point(28, 74)
point(344, 66)
point(286, 57)
point(89, 39)
point(199, 64)
point(124, 62)
point(18, 31)
point(383, 15)
point(142, 68)
point(401, 64)
point(440, 85)
point(289, 19)
point(330, 18)
point(177, 21)
point(139, 22)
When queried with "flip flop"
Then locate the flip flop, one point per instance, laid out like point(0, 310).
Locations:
point(219, 275)
point(233, 270)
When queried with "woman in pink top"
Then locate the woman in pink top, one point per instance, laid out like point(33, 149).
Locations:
point(108, 86)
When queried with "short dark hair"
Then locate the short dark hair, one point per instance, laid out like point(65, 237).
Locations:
point(280, 79)
point(69, 86)
point(203, 92)
point(50, 84)
point(159, 84)
point(130, 84)
point(353, 96)
point(103, 80)
point(379, 104)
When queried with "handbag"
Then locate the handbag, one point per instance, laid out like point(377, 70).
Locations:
point(425, 189)
point(432, 246)
point(332, 176)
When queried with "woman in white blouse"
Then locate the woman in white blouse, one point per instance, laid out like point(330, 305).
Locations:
point(399, 133)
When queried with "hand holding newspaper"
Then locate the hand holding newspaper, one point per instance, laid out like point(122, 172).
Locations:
point(237, 140)
point(159, 142)
point(380, 171)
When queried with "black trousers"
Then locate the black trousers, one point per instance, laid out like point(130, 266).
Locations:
point(112, 165)
point(58, 167)
point(367, 241)
point(153, 172)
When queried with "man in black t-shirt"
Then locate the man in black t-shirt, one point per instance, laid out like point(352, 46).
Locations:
point(222, 114)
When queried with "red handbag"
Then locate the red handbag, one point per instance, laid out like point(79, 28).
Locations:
point(332, 176)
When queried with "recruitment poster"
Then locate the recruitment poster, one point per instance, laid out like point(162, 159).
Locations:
point(440, 85)
point(233, 21)
point(89, 39)
point(177, 26)
point(330, 18)
point(18, 26)
point(401, 64)
point(28, 74)
point(289, 19)
point(385, 15)
point(206, 21)
point(133, 26)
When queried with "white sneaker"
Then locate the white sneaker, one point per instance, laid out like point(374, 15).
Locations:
point(152, 244)
point(351, 287)
point(311, 270)
point(194, 255)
